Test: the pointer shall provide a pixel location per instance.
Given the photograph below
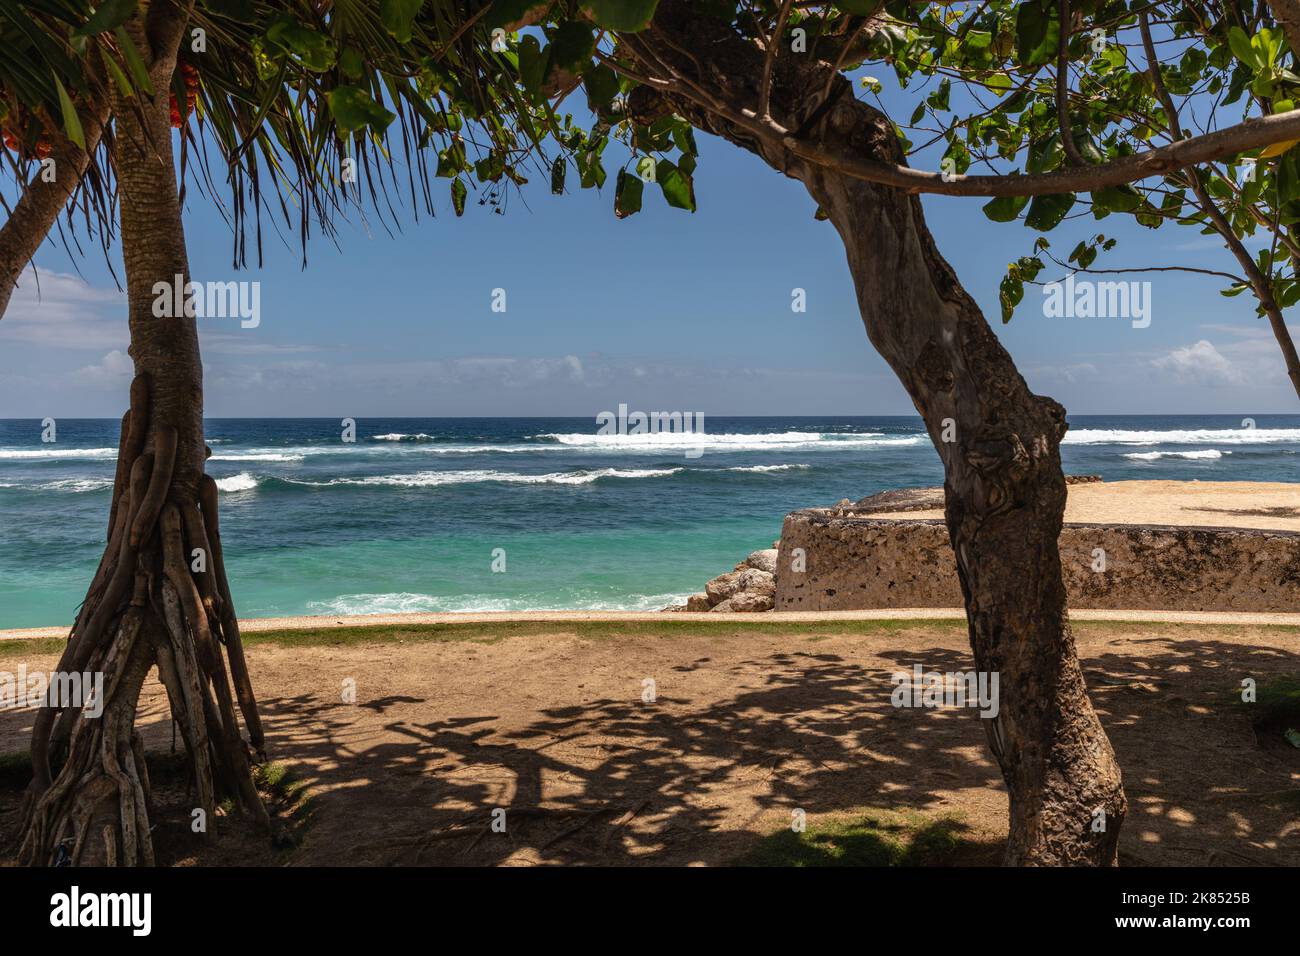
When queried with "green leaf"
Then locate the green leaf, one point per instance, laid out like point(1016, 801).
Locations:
point(1028, 267)
point(1117, 198)
point(355, 109)
point(677, 187)
point(1046, 212)
point(532, 64)
point(1269, 44)
point(1038, 33)
point(397, 16)
point(315, 50)
point(134, 62)
point(1005, 208)
point(684, 139)
point(625, 16)
point(352, 63)
point(489, 169)
point(458, 193)
point(627, 194)
point(572, 46)
point(558, 169)
point(602, 86)
point(119, 78)
point(1242, 48)
point(999, 83)
point(1084, 254)
point(591, 170)
point(451, 161)
point(107, 16)
point(71, 121)
point(959, 155)
point(1010, 291)
point(939, 98)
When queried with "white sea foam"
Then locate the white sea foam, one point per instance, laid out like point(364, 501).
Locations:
point(258, 456)
point(763, 469)
point(240, 482)
point(1207, 454)
point(74, 485)
point(782, 441)
point(24, 453)
point(405, 602)
point(1197, 436)
point(433, 479)
point(77, 484)
point(399, 436)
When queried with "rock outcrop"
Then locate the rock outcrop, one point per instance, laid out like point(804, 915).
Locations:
point(750, 587)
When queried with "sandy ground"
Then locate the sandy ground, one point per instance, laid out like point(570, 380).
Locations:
point(1214, 504)
point(745, 727)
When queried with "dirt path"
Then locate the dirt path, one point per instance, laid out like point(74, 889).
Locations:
point(746, 727)
point(315, 622)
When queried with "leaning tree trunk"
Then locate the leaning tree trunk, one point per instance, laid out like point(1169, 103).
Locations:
point(160, 596)
point(1004, 488)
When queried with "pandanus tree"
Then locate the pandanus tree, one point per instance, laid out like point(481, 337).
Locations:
point(123, 104)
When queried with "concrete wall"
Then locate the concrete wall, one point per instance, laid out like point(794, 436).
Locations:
point(855, 562)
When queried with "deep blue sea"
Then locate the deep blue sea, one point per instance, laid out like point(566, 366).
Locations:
point(410, 516)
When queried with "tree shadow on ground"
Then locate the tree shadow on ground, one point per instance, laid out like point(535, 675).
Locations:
point(625, 781)
point(1204, 786)
point(680, 780)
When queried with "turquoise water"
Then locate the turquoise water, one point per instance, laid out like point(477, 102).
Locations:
point(409, 516)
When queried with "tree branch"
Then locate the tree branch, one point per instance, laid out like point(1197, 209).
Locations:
point(38, 207)
point(1072, 154)
point(1221, 144)
point(1259, 283)
point(769, 60)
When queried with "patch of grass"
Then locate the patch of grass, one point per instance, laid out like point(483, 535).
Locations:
point(24, 647)
point(492, 632)
point(489, 632)
point(289, 800)
point(1277, 702)
point(286, 787)
point(874, 837)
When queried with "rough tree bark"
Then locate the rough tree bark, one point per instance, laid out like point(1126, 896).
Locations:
point(38, 207)
point(151, 603)
point(1004, 487)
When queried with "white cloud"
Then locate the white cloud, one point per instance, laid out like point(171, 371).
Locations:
point(56, 310)
point(113, 370)
point(1200, 363)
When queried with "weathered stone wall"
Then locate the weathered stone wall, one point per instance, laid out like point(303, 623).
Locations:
point(855, 561)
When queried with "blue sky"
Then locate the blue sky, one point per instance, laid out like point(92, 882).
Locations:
point(664, 310)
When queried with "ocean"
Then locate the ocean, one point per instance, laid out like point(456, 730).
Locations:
point(496, 514)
